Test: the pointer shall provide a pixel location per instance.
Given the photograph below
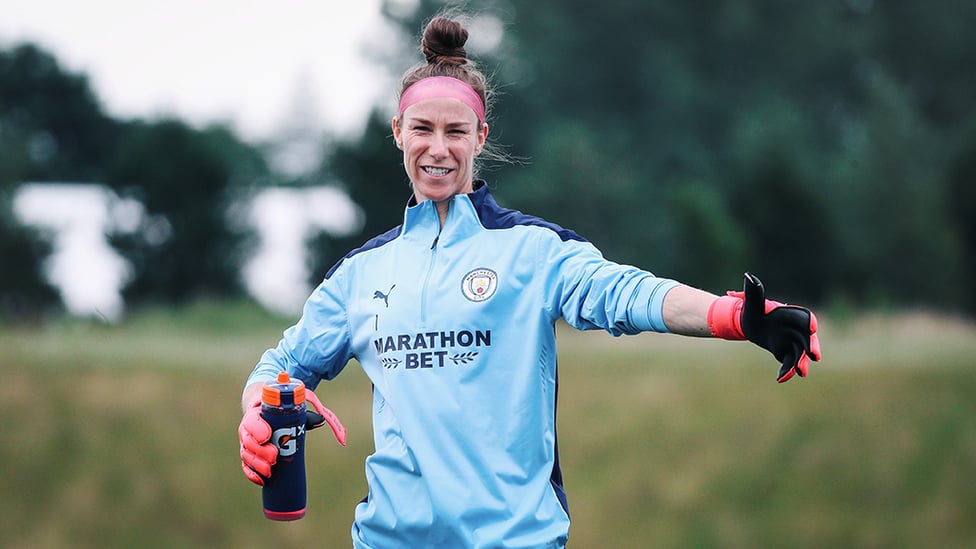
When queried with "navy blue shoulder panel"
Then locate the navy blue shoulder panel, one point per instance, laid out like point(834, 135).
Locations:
point(370, 244)
point(494, 216)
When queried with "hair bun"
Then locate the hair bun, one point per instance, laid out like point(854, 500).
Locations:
point(444, 41)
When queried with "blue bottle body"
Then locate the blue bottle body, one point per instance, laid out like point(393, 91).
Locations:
point(284, 494)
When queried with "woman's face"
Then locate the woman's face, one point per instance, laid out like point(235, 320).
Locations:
point(440, 138)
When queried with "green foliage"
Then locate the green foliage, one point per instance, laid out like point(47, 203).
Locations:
point(826, 146)
point(702, 222)
point(51, 125)
point(806, 141)
point(774, 189)
point(379, 187)
point(23, 294)
point(186, 179)
point(51, 128)
point(961, 200)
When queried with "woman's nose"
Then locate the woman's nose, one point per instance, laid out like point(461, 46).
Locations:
point(438, 145)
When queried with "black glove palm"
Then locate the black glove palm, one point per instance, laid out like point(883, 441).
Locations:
point(788, 332)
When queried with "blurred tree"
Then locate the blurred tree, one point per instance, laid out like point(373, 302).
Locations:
point(374, 179)
point(51, 119)
point(961, 217)
point(700, 139)
point(777, 200)
point(23, 293)
point(889, 205)
point(51, 129)
point(826, 146)
point(186, 179)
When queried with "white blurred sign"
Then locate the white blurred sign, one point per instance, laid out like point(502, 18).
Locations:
point(85, 269)
point(90, 275)
point(284, 218)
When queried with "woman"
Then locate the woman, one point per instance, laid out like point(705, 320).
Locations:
point(452, 317)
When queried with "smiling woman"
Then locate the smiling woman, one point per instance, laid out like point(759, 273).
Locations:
point(452, 316)
point(440, 137)
point(440, 124)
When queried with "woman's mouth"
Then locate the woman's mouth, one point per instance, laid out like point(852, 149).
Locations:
point(436, 172)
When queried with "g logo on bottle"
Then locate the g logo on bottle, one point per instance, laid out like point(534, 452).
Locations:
point(286, 439)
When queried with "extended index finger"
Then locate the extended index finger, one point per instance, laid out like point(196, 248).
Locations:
point(755, 297)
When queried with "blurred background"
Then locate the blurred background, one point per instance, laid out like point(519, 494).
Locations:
point(175, 177)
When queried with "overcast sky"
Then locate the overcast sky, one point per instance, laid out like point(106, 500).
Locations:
point(242, 61)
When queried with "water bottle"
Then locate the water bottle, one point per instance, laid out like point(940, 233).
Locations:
point(283, 407)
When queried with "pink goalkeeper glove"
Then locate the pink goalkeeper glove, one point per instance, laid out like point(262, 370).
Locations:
point(788, 332)
point(258, 455)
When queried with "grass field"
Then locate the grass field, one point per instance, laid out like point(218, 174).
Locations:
point(125, 436)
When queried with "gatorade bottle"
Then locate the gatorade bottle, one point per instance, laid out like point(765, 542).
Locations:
point(283, 407)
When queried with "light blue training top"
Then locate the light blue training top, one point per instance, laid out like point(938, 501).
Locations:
point(455, 327)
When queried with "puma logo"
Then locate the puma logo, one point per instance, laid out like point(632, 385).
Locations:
point(385, 297)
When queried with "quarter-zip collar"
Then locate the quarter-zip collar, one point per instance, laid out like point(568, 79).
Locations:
point(422, 223)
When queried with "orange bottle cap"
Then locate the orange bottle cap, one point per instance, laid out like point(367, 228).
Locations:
point(284, 392)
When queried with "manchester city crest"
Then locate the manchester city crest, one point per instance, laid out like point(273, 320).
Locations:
point(479, 284)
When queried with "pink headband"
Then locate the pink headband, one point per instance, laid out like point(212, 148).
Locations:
point(442, 86)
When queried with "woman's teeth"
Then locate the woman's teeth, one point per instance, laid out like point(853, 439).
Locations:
point(436, 172)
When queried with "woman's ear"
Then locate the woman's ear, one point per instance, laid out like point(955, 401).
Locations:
point(482, 137)
point(397, 134)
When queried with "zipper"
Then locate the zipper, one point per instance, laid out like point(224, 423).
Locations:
point(430, 269)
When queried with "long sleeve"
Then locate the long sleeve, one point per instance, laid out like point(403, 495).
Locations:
point(593, 293)
point(317, 347)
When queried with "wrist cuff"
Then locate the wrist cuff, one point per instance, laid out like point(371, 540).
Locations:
point(725, 318)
